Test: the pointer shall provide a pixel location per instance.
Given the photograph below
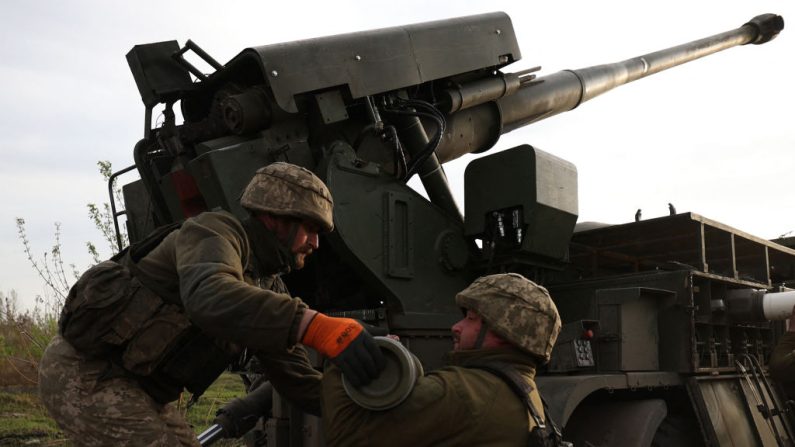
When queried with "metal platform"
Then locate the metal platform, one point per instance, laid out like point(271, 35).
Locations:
point(684, 240)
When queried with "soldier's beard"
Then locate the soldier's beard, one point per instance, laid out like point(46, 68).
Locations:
point(300, 256)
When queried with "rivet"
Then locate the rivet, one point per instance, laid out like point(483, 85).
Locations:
point(274, 73)
point(358, 58)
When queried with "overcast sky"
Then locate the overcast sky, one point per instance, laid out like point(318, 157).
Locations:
point(714, 137)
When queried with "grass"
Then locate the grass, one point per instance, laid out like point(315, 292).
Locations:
point(24, 421)
point(23, 337)
point(200, 415)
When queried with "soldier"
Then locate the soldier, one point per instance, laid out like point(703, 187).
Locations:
point(782, 360)
point(172, 311)
point(509, 329)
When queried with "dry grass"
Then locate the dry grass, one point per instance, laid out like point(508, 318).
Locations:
point(23, 419)
point(23, 337)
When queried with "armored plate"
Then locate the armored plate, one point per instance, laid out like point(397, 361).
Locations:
point(377, 61)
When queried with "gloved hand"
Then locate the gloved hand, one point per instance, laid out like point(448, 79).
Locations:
point(345, 342)
point(241, 414)
point(375, 331)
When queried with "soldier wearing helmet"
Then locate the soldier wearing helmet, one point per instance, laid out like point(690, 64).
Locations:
point(487, 396)
point(172, 311)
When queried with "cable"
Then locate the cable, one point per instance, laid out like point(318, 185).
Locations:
point(401, 167)
point(360, 137)
point(435, 115)
point(430, 112)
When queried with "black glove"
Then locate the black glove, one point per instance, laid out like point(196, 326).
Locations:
point(362, 361)
point(375, 331)
point(241, 414)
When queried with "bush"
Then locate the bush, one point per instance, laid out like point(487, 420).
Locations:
point(23, 338)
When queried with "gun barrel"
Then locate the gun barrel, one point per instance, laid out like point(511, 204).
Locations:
point(567, 89)
point(778, 305)
point(757, 305)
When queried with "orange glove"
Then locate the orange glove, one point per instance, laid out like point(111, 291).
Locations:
point(329, 335)
point(345, 342)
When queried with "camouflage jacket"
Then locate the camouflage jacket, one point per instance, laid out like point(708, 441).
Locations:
point(205, 267)
point(782, 363)
point(452, 406)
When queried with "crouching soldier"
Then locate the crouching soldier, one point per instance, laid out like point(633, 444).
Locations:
point(487, 396)
point(172, 311)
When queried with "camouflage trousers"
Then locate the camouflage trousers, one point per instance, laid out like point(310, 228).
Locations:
point(104, 412)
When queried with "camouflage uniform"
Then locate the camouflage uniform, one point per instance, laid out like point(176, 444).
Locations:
point(459, 404)
point(204, 267)
point(95, 411)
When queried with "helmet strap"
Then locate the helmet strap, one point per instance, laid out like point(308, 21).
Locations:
point(484, 328)
point(291, 242)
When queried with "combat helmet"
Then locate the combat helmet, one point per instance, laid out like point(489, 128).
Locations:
point(516, 309)
point(285, 189)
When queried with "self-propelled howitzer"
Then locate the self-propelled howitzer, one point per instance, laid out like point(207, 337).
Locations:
point(367, 111)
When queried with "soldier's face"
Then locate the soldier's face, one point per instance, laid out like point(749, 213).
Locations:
point(465, 332)
point(305, 242)
point(306, 238)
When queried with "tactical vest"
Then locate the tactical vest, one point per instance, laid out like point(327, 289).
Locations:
point(115, 312)
point(544, 434)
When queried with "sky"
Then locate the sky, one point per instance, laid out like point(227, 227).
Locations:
point(714, 137)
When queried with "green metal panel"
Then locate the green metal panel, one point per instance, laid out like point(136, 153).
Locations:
point(372, 62)
point(222, 174)
point(628, 320)
point(392, 237)
point(544, 186)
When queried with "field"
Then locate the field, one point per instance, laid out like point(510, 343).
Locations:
point(24, 421)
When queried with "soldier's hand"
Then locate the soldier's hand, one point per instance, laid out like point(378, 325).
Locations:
point(345, 342)
point(241, 414)
point(375, 331)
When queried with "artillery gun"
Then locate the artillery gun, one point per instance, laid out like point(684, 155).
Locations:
point(649, 352)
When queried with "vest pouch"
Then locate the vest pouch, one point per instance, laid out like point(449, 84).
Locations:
point(155, 339)
point(104, 309)
point(196, 362)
